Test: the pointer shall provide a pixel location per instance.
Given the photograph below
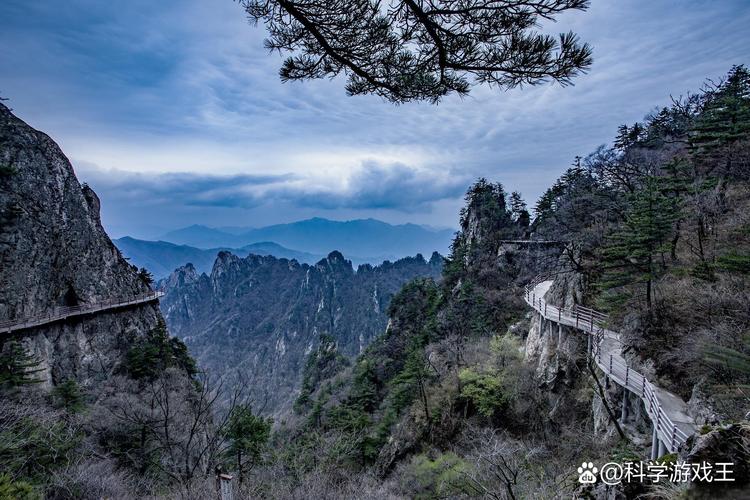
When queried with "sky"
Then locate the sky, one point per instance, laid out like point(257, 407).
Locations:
point(174, 113)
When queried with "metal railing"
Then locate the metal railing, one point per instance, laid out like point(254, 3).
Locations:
point(594, 323)
point(61, 313)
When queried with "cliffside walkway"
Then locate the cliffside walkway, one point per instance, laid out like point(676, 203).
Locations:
point(62, 313)
point(668, 413)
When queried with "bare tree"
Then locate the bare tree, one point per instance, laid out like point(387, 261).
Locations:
point(413, 50)
point(501, 465)
point(177, 423)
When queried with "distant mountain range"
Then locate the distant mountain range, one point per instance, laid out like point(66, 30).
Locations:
point(369, 240)
point(162, 257)
point(364, 241)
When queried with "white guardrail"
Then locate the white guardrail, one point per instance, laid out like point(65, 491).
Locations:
point(61, 313)
point(594, 323)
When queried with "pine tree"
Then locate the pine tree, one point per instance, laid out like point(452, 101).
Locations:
point(248, 436)
point(628, 137)
point(149, 356)
point(519, 210)
point(675, 184)
point(68, 395)
point(724, 121)
point(17, 367)
point(146, 276)
point(632, 255)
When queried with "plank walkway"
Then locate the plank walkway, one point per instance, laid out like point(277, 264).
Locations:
point(62, 313)
point(668, 412)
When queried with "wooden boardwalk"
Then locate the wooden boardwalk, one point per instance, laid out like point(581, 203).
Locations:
point(63, 313)
point(668, 412)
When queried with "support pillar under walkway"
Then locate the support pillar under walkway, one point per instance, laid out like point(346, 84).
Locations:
point(658, 448)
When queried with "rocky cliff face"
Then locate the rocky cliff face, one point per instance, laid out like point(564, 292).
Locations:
point(54, 252)
point(256, 319)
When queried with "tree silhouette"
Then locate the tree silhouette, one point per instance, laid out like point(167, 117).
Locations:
point(414, 50)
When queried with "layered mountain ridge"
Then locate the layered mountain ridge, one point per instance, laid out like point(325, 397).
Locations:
point(161, 257)
point(364, 240)
point(257, 318)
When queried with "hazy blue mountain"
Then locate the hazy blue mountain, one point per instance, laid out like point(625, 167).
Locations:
point(234, 229)
point(204, 237)
point(162, 257)
point(369, 239)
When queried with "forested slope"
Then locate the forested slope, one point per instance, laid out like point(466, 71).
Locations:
point(466, 394)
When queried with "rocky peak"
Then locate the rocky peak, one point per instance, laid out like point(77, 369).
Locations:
point(336, 262)
point(52, 244)
point(436, 259)
point(181, 276)
point(55, 252)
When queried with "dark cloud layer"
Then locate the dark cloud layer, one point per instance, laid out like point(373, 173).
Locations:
point(371, 186)
point(182, 188)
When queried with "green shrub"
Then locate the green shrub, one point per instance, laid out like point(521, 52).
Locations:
point(443, 477)
point(484, 390)
point(624, 453)
point(734, 262)
point(669, 458)
point(36, 447)
point(16, 490)
point(68, 395)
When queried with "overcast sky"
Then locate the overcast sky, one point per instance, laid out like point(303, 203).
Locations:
point(174, 113)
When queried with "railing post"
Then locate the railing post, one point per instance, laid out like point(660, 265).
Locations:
point(576, 313)
point(545, 309)
point(592, 321)
point(627, 372)
point(610, 363)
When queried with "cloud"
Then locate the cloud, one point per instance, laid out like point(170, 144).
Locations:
point(181, 188)
point(371, 185)
point(396, 186)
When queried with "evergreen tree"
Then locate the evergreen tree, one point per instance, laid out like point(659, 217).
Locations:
point(413, 50)
point(17, 367)
point(519, 210)
point(156, 352)
point(724, 121)
point(68, 395)
point(628, 137)
point(12, 489)
point(248, 436)
point(632, 255)
point(146, 276)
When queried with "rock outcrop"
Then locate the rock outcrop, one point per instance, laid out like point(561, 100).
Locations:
point(54, 252)
point(256, 319)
